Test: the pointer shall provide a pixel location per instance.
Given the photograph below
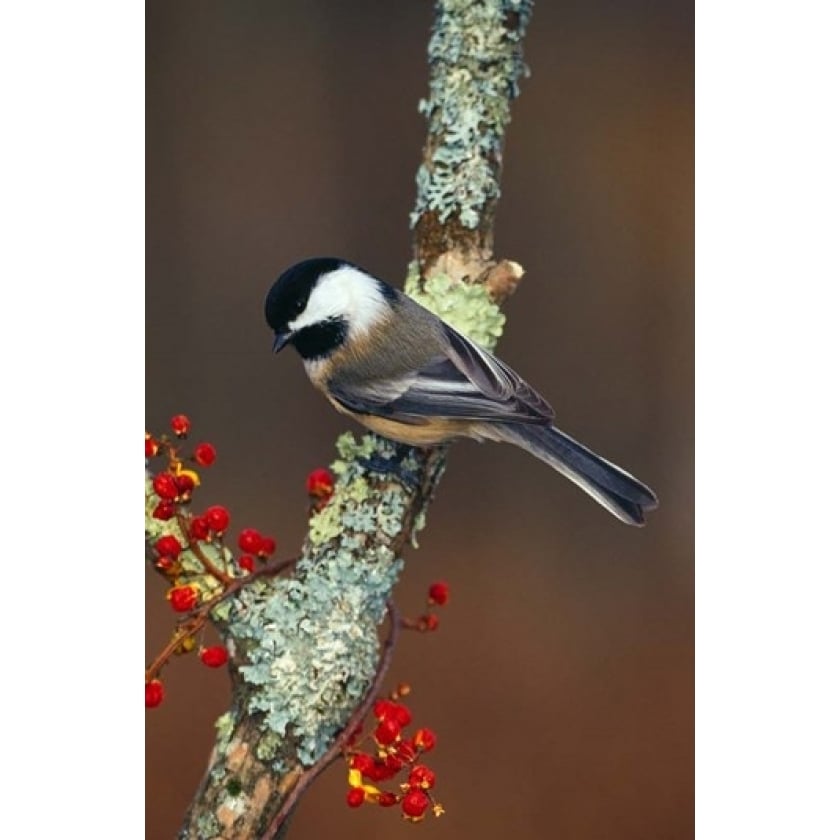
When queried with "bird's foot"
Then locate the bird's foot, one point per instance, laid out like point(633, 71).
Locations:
point(400, 464)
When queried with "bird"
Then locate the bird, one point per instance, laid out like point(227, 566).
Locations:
point(398, 369)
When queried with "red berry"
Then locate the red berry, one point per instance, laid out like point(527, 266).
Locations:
point(422, 777)
point(439, 593)
point(393, 764)
point(382, 709)
point(164, 485)
point(205, 454)
point(164, 563)
point(429, 622)
point(185, 484)
point(250, 541)
point(268, 547)
point(213, 657)
point(387, 732)
point(320, 484)
point(381, 772)
point(152, 447)
point(355, 797)
point(246, 562)
point(363, 763)
point(405, 752)
point(168, 546)
point(415, 803)
point(154, 694)
point(180, 424)
point(425, 739)
point(217, 518)
point(389, 710)
point(387, 799)
point(182, 598)
point(199, 528)
point(164, 511)
point(401, 714)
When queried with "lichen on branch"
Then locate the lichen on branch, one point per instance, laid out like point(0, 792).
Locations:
point(476, 62)
point(309, 644)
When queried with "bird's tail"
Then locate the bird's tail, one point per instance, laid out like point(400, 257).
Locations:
point(620, 493)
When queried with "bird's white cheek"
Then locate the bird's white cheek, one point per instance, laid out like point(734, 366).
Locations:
point(299, 323)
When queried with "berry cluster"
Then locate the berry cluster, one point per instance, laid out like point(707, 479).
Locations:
point(394, 754)
point(188, 548)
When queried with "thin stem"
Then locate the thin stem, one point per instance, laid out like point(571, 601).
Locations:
point(189, 628)
point(209, 566)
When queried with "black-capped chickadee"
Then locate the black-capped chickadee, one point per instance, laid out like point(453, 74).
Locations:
point(402, 372)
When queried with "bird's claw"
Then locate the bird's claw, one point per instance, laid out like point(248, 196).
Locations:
point(393, 465)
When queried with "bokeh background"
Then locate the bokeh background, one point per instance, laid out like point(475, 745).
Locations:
point(561, 680)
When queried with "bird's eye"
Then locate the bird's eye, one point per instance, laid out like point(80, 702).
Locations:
point(300, 305)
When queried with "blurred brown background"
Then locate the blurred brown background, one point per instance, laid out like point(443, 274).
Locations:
point(561, 680)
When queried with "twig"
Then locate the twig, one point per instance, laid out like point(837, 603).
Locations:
point(209, 566)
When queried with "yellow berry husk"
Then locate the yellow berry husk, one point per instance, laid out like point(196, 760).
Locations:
point(187, 645)
point(179, 470)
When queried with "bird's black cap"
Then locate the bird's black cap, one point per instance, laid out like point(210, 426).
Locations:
point(287, 298)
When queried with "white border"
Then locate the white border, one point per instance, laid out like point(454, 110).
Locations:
point(767, 420)
point(72, 261)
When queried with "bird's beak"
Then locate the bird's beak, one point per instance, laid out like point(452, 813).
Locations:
point(281, 339)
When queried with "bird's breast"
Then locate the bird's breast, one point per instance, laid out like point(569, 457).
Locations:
point(425, 432)
point(316, 370)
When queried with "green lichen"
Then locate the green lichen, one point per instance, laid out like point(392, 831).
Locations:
point(358, 490)
point(465, 306)
point(349, 449)
point(224, 729)
point(325, 525)
point(347, 512)
point(418, 526)
point(475, 57)
point(269, 746)
point(221, 613)
point(207, 825)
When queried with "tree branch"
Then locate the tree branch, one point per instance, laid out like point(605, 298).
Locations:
point(305, 649)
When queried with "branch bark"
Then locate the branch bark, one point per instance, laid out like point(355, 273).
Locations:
point(305, 649)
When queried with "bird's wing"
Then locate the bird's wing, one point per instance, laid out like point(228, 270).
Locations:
point(462, 382)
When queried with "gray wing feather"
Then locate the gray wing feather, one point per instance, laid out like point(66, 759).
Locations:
point(463, 382)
